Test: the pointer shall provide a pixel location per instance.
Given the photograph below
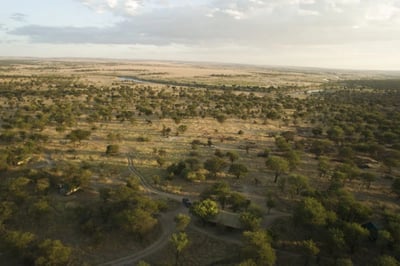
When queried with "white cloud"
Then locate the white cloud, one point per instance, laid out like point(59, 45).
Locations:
point(19, 17)
point(382, 12)
point(118, 7)
point(112, 3)
point(305, 12)
point(234, 13)
point(248, 22)
point(131, 6)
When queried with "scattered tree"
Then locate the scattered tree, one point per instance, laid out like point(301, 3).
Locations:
point(257, 247)
point(238, 170)
point(205, 209)
point(112, 149)
point(278, 165)
point(179, 241)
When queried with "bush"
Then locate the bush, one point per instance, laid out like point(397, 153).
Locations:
point(112, 149)
point(143, 139)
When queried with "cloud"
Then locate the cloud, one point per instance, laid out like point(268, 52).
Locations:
point(112, 3)
point(20, 17)
point(118, 7)
point(250, 23)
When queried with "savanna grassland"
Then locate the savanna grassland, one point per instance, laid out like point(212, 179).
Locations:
point(303, 165)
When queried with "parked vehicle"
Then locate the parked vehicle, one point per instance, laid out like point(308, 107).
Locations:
point(187, 202)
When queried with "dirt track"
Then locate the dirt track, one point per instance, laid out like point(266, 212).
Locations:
point(168, 225)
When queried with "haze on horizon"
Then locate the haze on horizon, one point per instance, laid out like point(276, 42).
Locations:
point(353, 34)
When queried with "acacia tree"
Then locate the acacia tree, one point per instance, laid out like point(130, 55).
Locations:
point(112, 149)
point(19, 242)
point(233, 156)
point(238, 170)
point(336, 134)
point(215, 165)
point(182, 221)
point(205, 209)
point(221, 190)
point(179, 241)
point(138, 222)
point(293, 158)
point(354, 234)
point(278, 165)
point(310, 249)
point(311, 212)
point(53, 252)
point(78, 135)
point(323, 166)
point(258, 248)
point(336, 242)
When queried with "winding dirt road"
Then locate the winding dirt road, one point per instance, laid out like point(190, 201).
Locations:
point(166, 220)
point(168, 225)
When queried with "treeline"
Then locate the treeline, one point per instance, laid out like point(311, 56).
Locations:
point(373, 83)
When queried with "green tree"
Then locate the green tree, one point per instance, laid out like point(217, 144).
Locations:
point(142, 263)
point(248, 262)
point(40, 208)
point(205, 209)
point(233, 156)
point(278, 165)
point(221, 190)
point(215, 165)
point(297, 183)
point(6, 212)
point(336, 242)
point(250, 221)
point(321, 146)
point(182, 221)
point(311, 212)
point(182, 129)
point(282, 144)
point(238, 170)
point(384, 240)
point(19, 241)
point(78, 135)
point(344, 262)
point(18, 189)
point(53, 253)
point(354, 234)
point(238, 202)
point(179, 241)
point(160, 161)
point(386, 260)
point(310, 250)
point(42, 185)
point(257, 246)
point(293, 158)
point(112, 149)
point(138, 222)
point(336, 134)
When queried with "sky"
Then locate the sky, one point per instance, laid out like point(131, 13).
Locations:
point(348, 34)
